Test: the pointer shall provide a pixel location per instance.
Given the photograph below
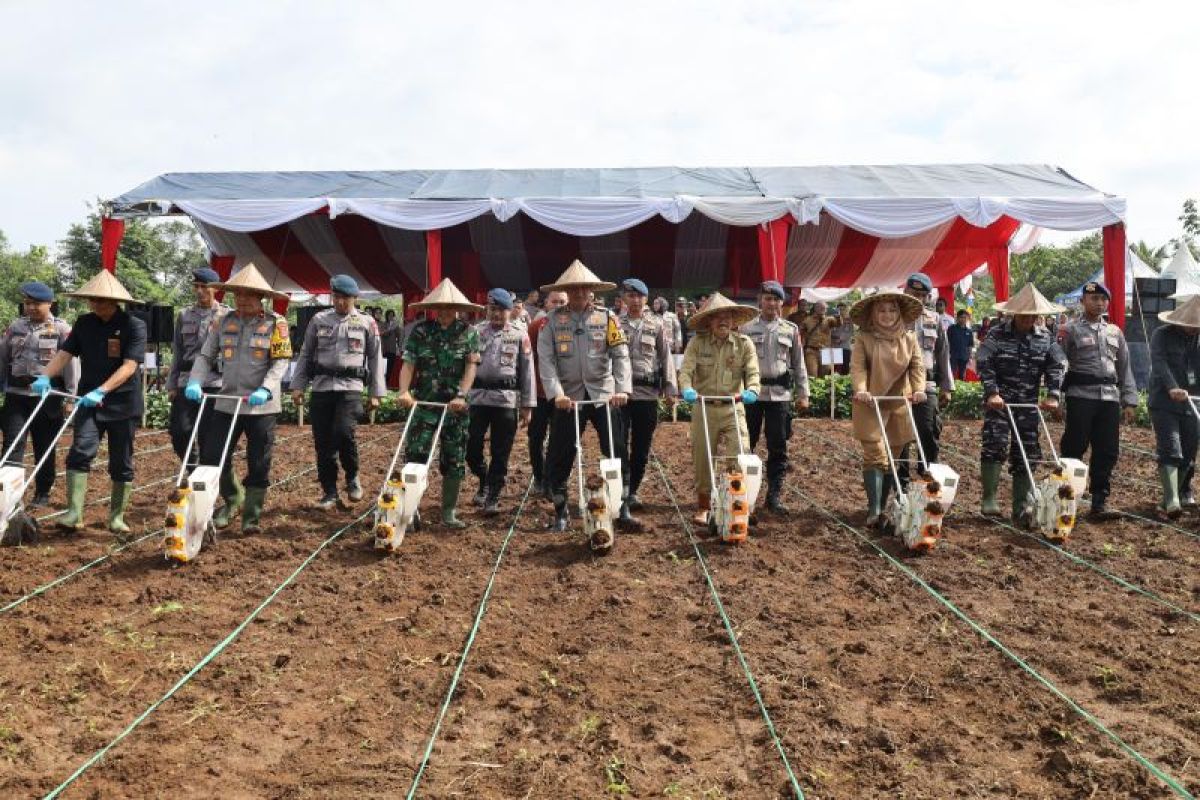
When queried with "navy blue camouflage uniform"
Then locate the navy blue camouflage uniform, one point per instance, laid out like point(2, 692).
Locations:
point(1015, 366)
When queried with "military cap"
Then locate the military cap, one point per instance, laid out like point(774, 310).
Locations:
point(205, 275)
point(344, 284)
point(500, 297)
point(36, 290)
point(775, 288)
point(1095, 287)
point(919, 281)
point(634, 285)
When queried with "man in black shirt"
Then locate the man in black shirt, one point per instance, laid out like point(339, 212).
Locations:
point(110, 345)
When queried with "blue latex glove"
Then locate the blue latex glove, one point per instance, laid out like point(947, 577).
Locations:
point(260, 396)
point(690, 394)
point(93, 398)
point(749, 396)
point(193, 391)
point(40, 385)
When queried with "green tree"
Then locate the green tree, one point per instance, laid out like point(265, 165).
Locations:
point(154, 262)
point(1152, 256)
point(1058, 270)
point(1191, 220)
point(17, 267)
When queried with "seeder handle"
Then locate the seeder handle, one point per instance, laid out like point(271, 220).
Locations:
point(50, 449)
point(887, 444)
point(1012, 420)
point(29, 421)
point(445, 407)
point(187, 453)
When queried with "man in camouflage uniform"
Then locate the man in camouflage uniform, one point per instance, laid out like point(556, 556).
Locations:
point(815, 328)
point(653, 366)
point(939, 378)
point(191, 329)
point(441, 357)
point(1099, 384)
point(783, 377)
point(29, 344)
point(341, 356)
point(1016, 359)
point(718, 362)
point(249, 349)
point(583, 355)
point(503, 384)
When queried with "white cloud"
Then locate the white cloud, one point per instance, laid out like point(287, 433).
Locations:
point(99, 97)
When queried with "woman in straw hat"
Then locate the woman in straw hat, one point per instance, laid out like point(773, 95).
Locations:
point(718, 362)
point(1174, 377)
point(583, 355)
point(440, 359)
point(886, 361)
point(111, 345)
point(1018, 357)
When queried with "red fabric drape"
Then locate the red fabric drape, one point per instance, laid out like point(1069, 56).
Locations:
point(433, 258)
point(1114, 271)
point(947, 293)
point(461, 263)
point(741, 259)
point(652, 252)
point(224, 268)
point(368, 252)
point(290, 255)
point(998, 267)
point(111, 231)
point(854, 252)
point(772, 248)
point(280, 305)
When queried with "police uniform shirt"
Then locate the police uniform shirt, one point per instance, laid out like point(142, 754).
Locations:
point(248, 354)
point(25, 350)
point(780, 353)
point(102, 347)
point(584, 353)
point(931, 336)
point(191, 329)
point(1097, 350)
point(506, 359)
point(340, 352)
point(652, 368)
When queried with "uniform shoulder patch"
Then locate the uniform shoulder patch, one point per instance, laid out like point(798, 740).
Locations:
point(281, 343)
point(615, 335)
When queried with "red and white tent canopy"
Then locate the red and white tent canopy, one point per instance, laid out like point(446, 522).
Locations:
point(672, 227)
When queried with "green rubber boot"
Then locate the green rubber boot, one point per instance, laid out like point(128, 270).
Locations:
point(76, 496)
point(989, 475)
point(450, 487)
point(1020, 498)
point(1168, 475)
point(232, 497)
point(873, 483)
point(252, 508)
point(117, 503)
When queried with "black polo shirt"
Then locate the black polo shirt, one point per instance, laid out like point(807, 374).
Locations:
point(102, 347)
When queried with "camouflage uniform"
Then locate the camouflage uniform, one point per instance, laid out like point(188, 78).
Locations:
point(1014, 366)
point(439, 356)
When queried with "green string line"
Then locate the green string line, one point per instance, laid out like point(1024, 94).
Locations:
point(1083, 562)
point(733, 639)
point(1173, 784)
point(462, 656)
point(101, 559)
point(202, 663)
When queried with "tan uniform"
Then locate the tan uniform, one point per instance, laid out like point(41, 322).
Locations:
point(816, 332)
point(718, 368)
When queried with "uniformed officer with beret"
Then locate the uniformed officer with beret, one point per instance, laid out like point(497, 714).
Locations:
point(250, 349)
point(191, 329)
point(583, 355)
point(342, 354)
point(783, 376)
point(653, 376)
point(1098, 385)
point(939, 377)
point(29, 344)
point(111, 345)
point(502, 394)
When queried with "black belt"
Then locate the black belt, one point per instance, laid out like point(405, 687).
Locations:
point(346, 373)
point(25, 381)
point(1081, 379)
point(506, 385)
point(653, 381)
point(784, 380)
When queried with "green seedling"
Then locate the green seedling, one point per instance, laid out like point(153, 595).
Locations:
point(549, 679)
point(169, 607)
point(589, 726)
point(614, 772)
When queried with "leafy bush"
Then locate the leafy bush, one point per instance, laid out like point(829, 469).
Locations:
point(158, 409)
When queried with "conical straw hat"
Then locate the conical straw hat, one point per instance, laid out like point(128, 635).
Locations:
point(1029, 301)
point(446, 295)
point(718, 302)
point(910, 307)
point(103, 286)
point(576, 276)
point(1186, 313)
point(249, 279)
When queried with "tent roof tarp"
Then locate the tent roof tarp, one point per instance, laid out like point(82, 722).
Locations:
point(672, 226)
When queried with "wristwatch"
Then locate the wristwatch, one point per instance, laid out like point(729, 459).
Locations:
point(460, 394)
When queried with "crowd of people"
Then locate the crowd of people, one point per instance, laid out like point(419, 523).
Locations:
point(563, 357)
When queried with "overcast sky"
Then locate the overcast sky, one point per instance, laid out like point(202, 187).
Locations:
point(97, 97)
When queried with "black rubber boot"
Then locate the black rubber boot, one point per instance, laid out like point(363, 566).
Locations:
point(562, 517)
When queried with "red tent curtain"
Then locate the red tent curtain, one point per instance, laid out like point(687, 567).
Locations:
point(433, 258)
point(111, 231)
point(947, 293)
point(772, 248)
point(224, 268)
point(1114, 271)
point(998, 267)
